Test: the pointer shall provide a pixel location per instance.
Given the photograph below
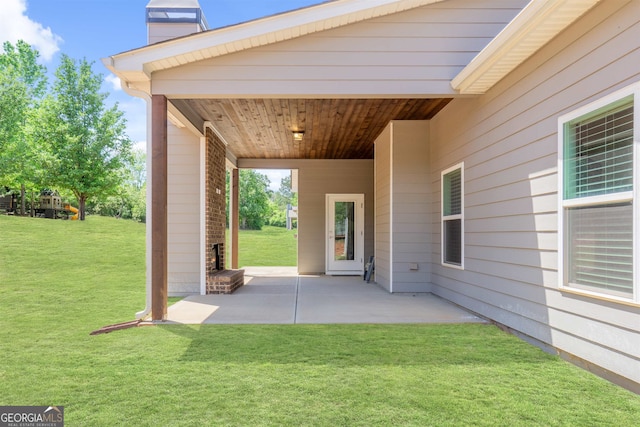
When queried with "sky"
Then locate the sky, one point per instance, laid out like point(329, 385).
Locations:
point(96, 29)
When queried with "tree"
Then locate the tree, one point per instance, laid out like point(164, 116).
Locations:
point(87, 140)
point(22, 85)
point(280, 202)
point(137, 169)
point(284, 195)
point(130, 200)
point(254, 199)
point(285, 188)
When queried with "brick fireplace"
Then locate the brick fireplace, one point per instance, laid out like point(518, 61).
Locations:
point(219, 280)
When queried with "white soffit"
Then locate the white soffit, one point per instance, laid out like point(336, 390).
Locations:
point(208, 44)
point(532, 28)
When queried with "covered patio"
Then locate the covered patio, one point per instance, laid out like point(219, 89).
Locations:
point(452, 119)
point(276, 295)
point(314, 90)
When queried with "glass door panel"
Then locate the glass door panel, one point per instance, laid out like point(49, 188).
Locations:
point(345, 233)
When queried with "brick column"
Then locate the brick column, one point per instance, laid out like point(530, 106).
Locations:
point(215, 199)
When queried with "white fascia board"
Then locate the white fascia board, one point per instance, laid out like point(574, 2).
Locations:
point(255, 33)
point(535, 25)
point(134, 83)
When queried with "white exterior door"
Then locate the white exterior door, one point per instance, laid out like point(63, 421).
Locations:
point(345, 234)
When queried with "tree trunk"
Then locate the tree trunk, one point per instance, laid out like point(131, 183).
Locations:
point(81, 205)
point(33, 203)
point(23, 202)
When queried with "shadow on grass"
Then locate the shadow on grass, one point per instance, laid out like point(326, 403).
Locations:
point(355, 345)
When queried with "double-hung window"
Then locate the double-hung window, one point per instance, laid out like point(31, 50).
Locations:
point(597, 172)
point(453, 216)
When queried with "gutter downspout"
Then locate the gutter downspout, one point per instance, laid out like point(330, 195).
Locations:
point(147, 98)
point(203, 213)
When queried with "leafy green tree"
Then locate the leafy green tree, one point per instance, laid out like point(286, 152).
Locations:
point(137, 169)
point(285, 189)
point(254, 199)
point(136, 185)
point(23, 83)
point(87, 139)
point(284, 195)
point(129, 201)
point(277, 215)
point(280, 201)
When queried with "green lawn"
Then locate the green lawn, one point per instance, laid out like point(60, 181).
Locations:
point(271, 246)
point(63, 279)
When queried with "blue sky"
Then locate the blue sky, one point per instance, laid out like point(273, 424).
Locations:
point(95, 29)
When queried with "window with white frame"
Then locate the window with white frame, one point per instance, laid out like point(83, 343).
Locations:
point(453, 216)
point(597, 178)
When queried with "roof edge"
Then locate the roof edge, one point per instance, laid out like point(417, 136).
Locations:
point(247, 35)
point(535, 25)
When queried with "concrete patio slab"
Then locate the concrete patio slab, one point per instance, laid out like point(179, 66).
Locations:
point(289, 299)
point(270, 300)
point(271, 271)
point(328, 299)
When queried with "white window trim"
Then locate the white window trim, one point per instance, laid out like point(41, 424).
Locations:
point(603, 199)
point(452, 217)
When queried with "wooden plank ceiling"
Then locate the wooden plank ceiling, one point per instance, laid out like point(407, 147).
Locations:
point(333, 128)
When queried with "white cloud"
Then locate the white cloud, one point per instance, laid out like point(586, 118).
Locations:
point(15, 25)
point(113, 81)
point(275, 176)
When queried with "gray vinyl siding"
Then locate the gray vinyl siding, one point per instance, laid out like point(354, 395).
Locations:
point(413, 52)
point(183, 208)
point(316, 178)
point(403, 234)
point(383, 171)
point(508, 141)
point(411, 210)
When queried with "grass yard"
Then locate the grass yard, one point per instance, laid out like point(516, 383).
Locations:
point(269, 247)
point(63, 279)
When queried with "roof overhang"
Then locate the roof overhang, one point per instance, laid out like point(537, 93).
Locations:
point(538, 23)
point(134, 68)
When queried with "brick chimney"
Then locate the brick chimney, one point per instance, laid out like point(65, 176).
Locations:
point(168, 19)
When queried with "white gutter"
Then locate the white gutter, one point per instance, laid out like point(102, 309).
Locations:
point(203, 213)
point(147, 98)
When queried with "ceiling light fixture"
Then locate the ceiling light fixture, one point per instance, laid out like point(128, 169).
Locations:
point(298, 135)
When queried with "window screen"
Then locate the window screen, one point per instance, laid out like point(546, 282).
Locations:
point(598, 201)
point(452, 219)
point(599, 154)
